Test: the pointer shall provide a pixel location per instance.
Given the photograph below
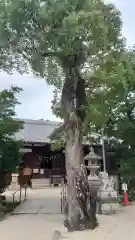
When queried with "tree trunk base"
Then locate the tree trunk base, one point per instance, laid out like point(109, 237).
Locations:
point(85, 217)
point(81, 224)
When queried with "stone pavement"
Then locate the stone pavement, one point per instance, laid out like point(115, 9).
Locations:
point(34, 224)
point(29, 227)
point(44, 201)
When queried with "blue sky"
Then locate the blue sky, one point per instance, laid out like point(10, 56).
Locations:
point(37, 95)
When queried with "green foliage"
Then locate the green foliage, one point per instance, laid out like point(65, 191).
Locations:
point(112, 102)
point(47, 36)
point(9, 148)
point(69, 43)
point(8, 101)
point(41, 32)
point(50, 37)
point(10, 155)
point(112, 105)
point(58, 144)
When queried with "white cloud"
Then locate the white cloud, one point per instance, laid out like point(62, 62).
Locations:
point(35, 98)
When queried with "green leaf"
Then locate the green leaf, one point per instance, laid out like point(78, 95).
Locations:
point(9, 148)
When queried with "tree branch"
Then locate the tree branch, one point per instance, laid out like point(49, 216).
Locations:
point(80, 96)
point(52, 54)
point(68, 94)
point(57, 132)
point(23, 54)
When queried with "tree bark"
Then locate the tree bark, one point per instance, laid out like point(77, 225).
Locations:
point(81, 205)
point(80, 210)
point(73, 162)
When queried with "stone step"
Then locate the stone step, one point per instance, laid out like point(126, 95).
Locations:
point(36, 184)
point(40, 183)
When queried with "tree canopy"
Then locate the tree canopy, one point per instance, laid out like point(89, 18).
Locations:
point(50, 37)
point(35, 30)
point(63, 42)
point(9, 147)
point(115, 109)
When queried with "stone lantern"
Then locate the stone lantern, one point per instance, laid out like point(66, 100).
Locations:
point(93, 166)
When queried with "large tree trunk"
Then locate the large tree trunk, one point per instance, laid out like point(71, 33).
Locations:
point(73, 162)
point(81, 205)
point(80, 210)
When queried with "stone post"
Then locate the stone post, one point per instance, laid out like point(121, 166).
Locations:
point(107, 196)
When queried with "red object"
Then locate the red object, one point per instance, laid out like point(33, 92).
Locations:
point(126, 200)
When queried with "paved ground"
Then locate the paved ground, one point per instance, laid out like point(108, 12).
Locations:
point(29, 227)
point(42, 201)
point(36, 225)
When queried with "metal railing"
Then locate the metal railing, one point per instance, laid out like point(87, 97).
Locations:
point(21, 196)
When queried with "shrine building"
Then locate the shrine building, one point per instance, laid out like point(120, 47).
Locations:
point(37, 152)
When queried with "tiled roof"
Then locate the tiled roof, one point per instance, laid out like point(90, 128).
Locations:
point(36, 130)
